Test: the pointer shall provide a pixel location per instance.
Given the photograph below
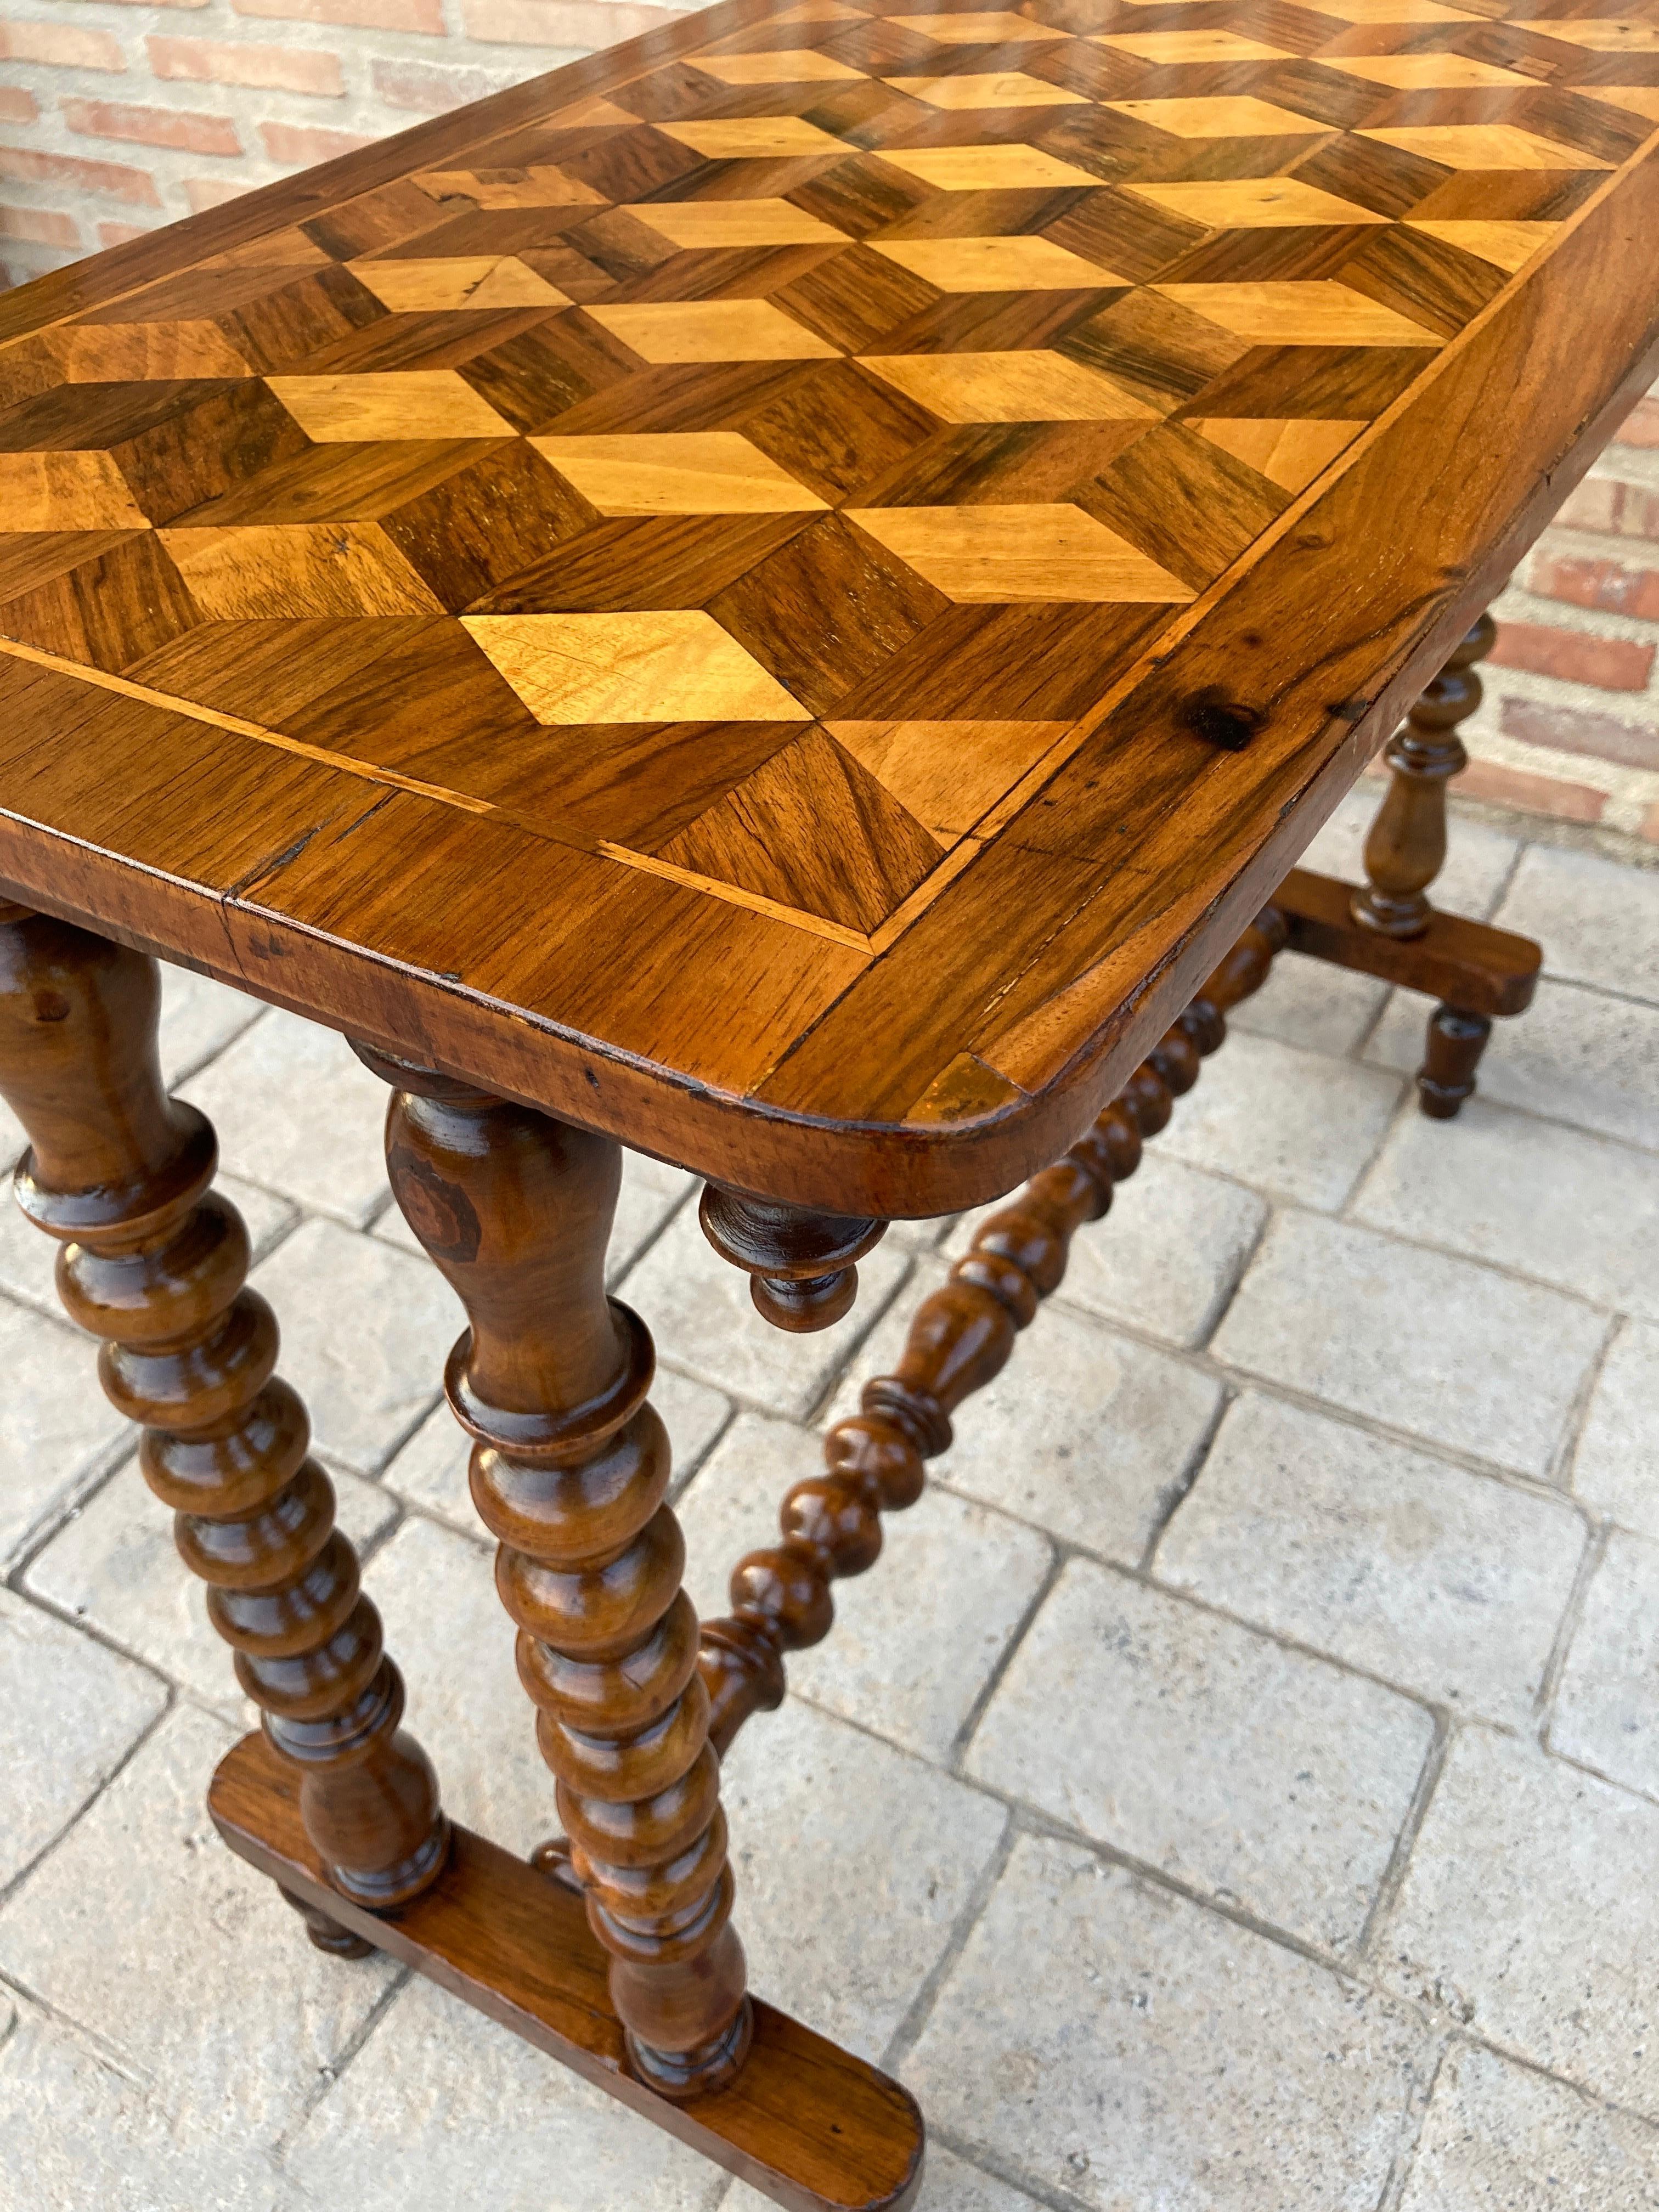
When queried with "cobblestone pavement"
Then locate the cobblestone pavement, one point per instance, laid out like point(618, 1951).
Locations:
point(1237, 1789)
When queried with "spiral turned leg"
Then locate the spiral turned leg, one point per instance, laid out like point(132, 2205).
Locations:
point(960, 1339)
point(570, 1468)
point(154, 1262)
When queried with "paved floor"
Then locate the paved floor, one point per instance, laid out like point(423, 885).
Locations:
point(1236, 1789)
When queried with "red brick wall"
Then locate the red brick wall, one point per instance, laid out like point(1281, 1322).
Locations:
point(1570, 725)
point(117, 116)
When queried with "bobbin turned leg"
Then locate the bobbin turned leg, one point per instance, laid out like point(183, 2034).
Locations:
point(569, 1470)
point(153, 1261)
point(1406, 850)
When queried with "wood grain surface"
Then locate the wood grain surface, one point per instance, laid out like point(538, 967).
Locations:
point(784, 591)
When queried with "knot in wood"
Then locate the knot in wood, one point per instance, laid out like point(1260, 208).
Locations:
point(1221, 722)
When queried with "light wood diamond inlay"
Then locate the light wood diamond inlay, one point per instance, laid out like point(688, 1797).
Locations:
point(673, 666)
point(1601, 35)
point(1396, 11)
point(1255, 203)
point(1415, 72)
point(948, 774)
point(792, 66)
point(66, 491)
point(1020, 263)
point(119, 353)
point(415, 288)
point(988, 168)
point(538, 185)
point(1506, 245)
point(1241, 117)
point(754, 138)
point(712, 329)
point(1190, 46)
point(677, 472)
point(1000, 88)
point(722, 224)
point(1019, 553)
point(1484, 146)
point(1321, 314)
point(1637, 99)
point(1289, 453)
point(985, 26)
point(1008, 387)
point(419, 403)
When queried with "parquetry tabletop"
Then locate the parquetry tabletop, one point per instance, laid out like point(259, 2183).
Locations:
point(797, 579)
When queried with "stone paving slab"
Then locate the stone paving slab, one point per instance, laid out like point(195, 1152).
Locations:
point(57, 1434)
point(1308, 1004)
point(855, 1865)
point(1598, 922)
point(448, 1632)
point(81, 2132)
point(365, 1331)
point(332, 1158)
point(441, 2110)
point(1450, 1583)
point(200, 1018)
point(69, 1713)
point(1296, 1125)
point(143, 1930)
point(1577, 1211)
point(1614, 1468)
point(1499, 2138)
point(1269, 1780)
point(1607, 1715)
point(1422, 1341)
point(948, 2185)
point(1147, 2052)
point(1529, 1912)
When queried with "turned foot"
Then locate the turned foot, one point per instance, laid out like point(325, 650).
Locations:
point(800, 1265)
point(326, 1934)
point(1455, 1042)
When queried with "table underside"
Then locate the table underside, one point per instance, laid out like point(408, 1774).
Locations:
point(786, 591)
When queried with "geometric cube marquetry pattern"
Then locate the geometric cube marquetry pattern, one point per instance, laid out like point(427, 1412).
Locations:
point(750, 475)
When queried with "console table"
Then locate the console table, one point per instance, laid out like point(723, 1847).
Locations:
point(787, 596)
